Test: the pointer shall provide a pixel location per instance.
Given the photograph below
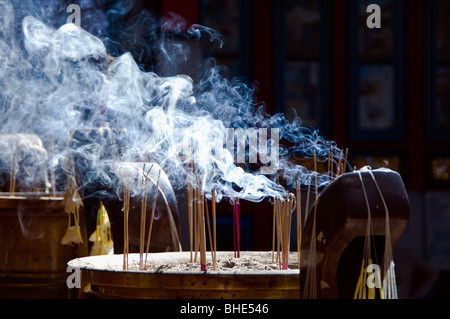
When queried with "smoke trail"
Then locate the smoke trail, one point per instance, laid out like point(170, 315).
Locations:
point(55, 81)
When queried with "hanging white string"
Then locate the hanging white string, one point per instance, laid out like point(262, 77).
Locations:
point(389, 278)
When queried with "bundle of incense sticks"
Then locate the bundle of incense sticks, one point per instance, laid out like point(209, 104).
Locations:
point(340, 166)
point(236, 228)
point(197, 210)
point(283, 210)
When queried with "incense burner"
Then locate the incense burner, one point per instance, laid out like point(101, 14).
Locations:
point(33, 261)
point(104, 276)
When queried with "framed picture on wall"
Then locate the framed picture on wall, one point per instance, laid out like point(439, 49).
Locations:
point(438, 169)
point(442, 107)
point(301, 55)
point(376, 104)
point(376, 98)
point(438, 68)
point(391, 160)
point(303, 35)
point(442, 30)
point(232, 19)
point(376, 44)
point(302, 92)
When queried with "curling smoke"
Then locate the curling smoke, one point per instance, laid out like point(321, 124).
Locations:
point(55, 81)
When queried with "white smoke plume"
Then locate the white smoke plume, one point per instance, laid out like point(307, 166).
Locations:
point(55, 80)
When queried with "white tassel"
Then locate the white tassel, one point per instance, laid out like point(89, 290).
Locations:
point(390, 283)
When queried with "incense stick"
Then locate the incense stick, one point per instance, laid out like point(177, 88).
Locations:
point(189, 200)
point(209, 230)
point(126, 207)
point(338, 169)
point(291, 208)
point(330, 177)
point(299, 222)
point(307, 201)
point(152, 216)
point(143, 217)
point(331, 164)
point(284, 233)
point(310, 290)
point(279, 228)
point(345, 161)
point(238, 213)
point(202, 234)
point(236, 227)
point(196, 225)
point(274, 228)
point(214, 226)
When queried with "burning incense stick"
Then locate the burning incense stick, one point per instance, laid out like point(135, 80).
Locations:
point(330, 163)
point(236, 227)
point(284, 218)
point(345, 162)
point(307, 201)
point(196, 224)
point(299, 221)
point(291, 208)
point(275, 204)
point(310, 289)
point(285, 221)
point(126, 209)
point(279, 228)
point(189, 200)
point(339, 168)
point(238, 215)
point(202, 232)
point(152, 215)
point(214, 226)
point(209, 230)
point(143, 217)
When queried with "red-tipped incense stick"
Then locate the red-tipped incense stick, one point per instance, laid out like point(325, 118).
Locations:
point(236, 226)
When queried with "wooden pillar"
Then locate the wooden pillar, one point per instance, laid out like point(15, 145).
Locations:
point(415, 106)
point(339, 100)
point(262, 52)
